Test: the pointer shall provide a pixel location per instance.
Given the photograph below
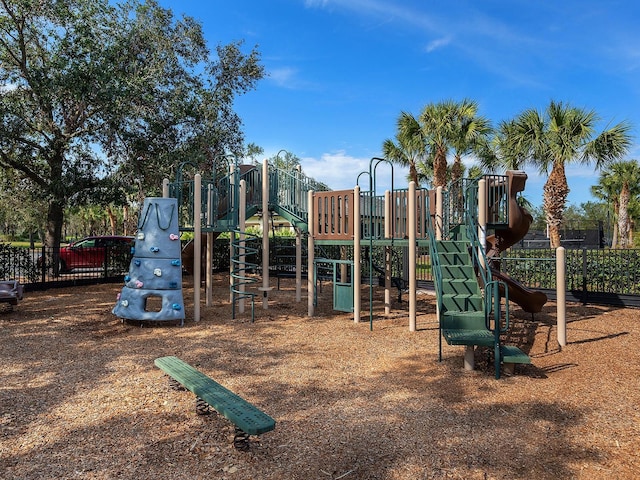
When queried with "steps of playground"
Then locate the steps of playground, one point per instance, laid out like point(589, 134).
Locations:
point(461, 286)
point(457, 271)
point(466, 328)
point(512, 354)
point(458, 302)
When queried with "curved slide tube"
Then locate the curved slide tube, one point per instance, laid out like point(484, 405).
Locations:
point(531, 301)
point(520, 219)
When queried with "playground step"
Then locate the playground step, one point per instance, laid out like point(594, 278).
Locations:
point(458, 271)
point(512, 354)
point(469, 337)
point(448, 246)
point(463, 321)
point(461, 286)
point(455, 258)
point(462, 303)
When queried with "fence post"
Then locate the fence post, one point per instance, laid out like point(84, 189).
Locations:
point(561, 288)
point(584, 277)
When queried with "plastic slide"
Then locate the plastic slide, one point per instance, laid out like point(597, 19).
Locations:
point(520, 219)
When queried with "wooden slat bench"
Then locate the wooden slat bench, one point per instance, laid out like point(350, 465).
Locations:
point(247, 418)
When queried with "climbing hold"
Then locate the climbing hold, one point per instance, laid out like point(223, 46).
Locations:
point(173, 284)
point(154, 249)
point(137, 262)
point(157, 272)
point(127, 278)
point(124, 303)
point(176, 306)
point(175, 263)
point(139, 284)
point(140, 235)
point(173, 236)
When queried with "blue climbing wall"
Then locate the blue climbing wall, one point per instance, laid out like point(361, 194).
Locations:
point(155, 273)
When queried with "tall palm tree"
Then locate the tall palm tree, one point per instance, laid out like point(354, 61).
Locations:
point(623, 178)
point(555, 138)
point(607, 190)
point(469, 134)
point(438, 122)
point(410, 149)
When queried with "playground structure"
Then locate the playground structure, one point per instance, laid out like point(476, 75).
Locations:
point(155, 274)
point(446, 228)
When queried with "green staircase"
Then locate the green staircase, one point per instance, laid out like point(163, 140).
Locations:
point(464, 316)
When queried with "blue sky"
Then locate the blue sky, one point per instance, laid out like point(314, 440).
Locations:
point(341, 71)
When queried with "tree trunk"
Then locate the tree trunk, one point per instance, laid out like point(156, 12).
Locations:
point(614, 238)
point(113, 221)
point(554, 200)
point(55, 219)
point(457, 169)
point(413, 173)
point(623, 216)
point(440, 169)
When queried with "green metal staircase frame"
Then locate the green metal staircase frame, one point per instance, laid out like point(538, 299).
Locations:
point(470, 309)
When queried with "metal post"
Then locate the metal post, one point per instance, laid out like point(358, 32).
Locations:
point(439, 213)
point(387, 253)
point(357, 267)
point(412, 256)
point(298, 265)
point(310, 257)
point(241, 242)
point(561, 290)
point(197, 243)
point(265, 235)
point(209, 262)
point(482, 219)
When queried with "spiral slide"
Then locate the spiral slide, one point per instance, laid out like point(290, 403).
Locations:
point(520, 219)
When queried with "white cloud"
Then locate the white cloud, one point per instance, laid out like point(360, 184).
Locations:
point(284, 77)
point(341, 171)
point(438, 43)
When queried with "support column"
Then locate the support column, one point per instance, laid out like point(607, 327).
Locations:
point(209, 262)
point(561, 292)
point(298, 265)
point(197, 243)
point(165, 188)
point(469, 357)
point(482, 219)
point(439, 213)
point(265, 235)
point(241, 245)
point(357, 267)
point(310, 257)
point(387, 253)
point(412, 256)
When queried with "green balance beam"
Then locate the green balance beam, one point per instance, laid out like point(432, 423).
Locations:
point(237, 410)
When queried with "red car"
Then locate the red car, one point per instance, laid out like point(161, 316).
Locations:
point(94, 252)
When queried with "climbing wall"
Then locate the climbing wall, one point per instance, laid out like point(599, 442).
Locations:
point(153, 287)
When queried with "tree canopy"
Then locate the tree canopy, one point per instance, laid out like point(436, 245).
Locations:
point(103, 99)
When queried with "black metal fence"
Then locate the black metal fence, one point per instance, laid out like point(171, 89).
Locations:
point(42, 268)
point(593, 275)
point(599, 276)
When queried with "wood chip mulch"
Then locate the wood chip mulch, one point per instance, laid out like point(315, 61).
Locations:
point(80, 396)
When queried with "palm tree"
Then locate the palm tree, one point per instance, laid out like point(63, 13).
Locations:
point(469, 135)
point(607, 191)
point(561, 135)
point(409, 151)
point(438, 122)
point(622, 181)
